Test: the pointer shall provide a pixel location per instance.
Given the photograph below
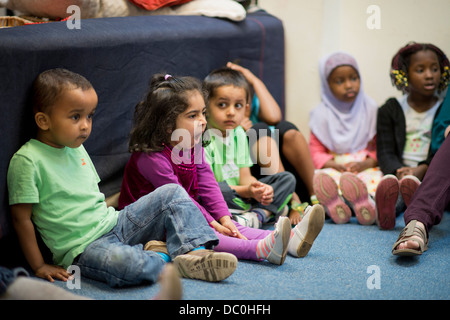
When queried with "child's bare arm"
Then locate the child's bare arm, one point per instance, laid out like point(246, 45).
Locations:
point(269, 110)
point(245, 181)
point(21, 218)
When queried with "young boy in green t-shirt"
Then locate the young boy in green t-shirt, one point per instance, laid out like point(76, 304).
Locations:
point(53, 185)
point(228, 151)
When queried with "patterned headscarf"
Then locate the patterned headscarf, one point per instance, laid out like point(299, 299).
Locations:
point(342, 127)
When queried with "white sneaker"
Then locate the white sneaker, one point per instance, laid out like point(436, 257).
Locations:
point(281, 236)
point(248, 219)
point(306, 231)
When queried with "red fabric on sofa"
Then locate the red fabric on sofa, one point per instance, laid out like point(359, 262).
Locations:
point(156, 4)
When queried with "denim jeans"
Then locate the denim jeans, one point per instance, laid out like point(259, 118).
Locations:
point(167, 214)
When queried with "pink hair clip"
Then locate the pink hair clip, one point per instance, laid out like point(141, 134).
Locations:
point(167, 76)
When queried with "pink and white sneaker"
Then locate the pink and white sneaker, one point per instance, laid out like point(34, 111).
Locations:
point(385, 199)
point(354, 190)
point(408, 186)
point(327, 193)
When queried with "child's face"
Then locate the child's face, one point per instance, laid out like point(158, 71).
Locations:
point(226, 109)
point(69, 122)
point(191, 123)
point(424, 73)
point(344, 83)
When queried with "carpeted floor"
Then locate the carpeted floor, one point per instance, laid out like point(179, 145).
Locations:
point(347, 262)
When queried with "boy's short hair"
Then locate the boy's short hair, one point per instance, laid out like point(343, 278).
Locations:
point(50, 84)
point(223, 77)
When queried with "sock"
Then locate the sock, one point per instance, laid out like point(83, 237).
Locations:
point(165, 257)
point(260, 214)
point(264, 246)
point(199, 248)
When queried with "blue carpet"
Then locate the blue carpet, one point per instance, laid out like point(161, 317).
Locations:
point(350, 262)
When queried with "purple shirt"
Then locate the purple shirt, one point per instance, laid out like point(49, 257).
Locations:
point(145, 172)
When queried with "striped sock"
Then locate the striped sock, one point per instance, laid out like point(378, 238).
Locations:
point(264, 246)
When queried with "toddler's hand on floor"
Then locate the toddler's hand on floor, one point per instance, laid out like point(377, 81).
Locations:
point(50, 272)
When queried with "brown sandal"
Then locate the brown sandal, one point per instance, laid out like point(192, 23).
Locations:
point(407, 233)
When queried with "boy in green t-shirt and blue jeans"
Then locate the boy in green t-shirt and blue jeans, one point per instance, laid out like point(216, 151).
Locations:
point(53, 185)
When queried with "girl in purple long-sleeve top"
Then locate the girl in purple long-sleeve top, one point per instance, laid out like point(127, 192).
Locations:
point(166, 146)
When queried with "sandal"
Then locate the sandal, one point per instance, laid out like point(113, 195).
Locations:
point(407, 233)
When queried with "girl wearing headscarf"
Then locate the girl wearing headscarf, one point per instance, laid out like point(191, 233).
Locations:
point(342, 142)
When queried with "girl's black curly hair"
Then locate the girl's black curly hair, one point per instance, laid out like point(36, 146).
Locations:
point(401, 60)
point(155, 116)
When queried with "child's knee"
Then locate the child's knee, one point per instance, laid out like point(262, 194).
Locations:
point(287, 178)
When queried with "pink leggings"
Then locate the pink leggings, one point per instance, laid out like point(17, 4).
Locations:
point(242, 249)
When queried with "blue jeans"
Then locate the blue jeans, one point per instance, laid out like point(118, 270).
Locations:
point(167, 214)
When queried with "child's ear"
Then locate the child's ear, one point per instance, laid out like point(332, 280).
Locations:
point(42, 120)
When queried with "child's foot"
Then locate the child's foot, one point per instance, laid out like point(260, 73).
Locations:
point(274, 246)
point(327, 193)
point(385, 199)
point(408, 186)
point(297, 212)
point(170, 284)
point(248, 219)
point(354, 191)
point(304, 233)
point(206, 265)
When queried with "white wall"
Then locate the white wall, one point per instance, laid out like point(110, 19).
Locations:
point(314, 28)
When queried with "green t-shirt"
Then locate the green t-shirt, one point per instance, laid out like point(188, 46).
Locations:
point(227, 155)
point(69, 210)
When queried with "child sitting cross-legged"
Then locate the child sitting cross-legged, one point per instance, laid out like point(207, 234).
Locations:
point(228, 95)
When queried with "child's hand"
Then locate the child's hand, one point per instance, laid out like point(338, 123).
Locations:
point(447, 131)
point(267, 197)
point(334, 165)
point(246, 124)
point(261, 192)
point(359, 166)
point(225, 230)
point(247, 73)
point(404, 171)
point(50, 272)
point(232, 230)
point(418, 171)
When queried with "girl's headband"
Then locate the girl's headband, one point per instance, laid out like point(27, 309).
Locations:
point(167, 76)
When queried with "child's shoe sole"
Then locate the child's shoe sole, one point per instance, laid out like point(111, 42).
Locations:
point(206, 265)
point(385, 199)
point(315, 218)
point(355, 191)
point(408, 186)
point(327, 193)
